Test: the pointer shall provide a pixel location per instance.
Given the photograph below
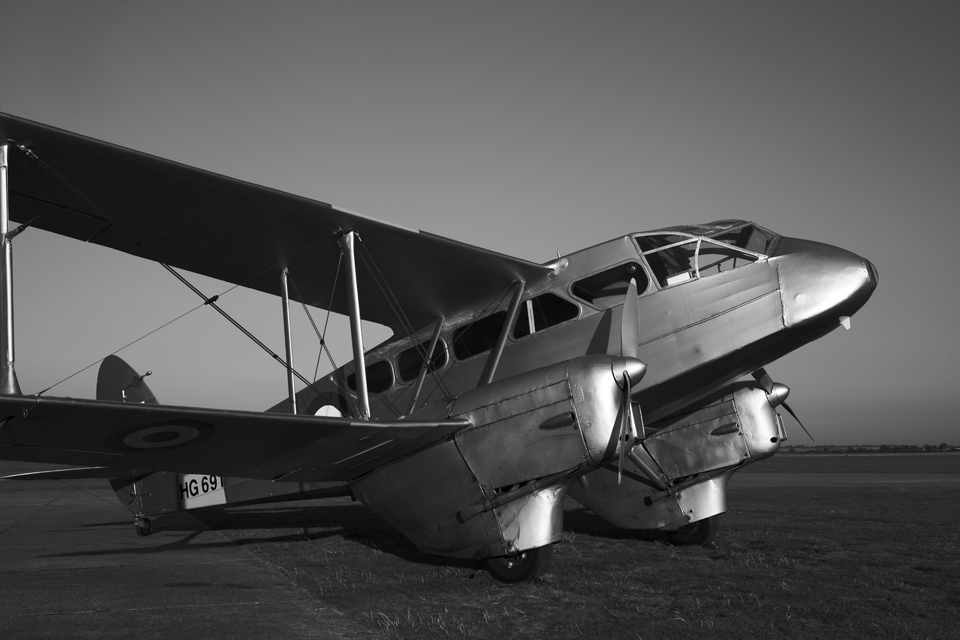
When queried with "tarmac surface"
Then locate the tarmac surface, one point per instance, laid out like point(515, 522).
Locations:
point(71, 566)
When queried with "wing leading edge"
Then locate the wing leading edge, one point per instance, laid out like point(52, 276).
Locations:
point(243, 233)
point(142, 437)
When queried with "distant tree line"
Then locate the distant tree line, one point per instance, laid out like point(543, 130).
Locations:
point(883, 448)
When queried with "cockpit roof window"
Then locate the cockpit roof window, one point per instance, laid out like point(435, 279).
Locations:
point(660, 240)
point(737, 233)
point(749, 237)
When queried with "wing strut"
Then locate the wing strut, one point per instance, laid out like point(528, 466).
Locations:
point(285, 297)
point(493, 360)
point(359, 366)
point(8, 376)
point(425, 367)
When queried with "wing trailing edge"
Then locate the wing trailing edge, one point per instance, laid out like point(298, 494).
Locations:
point(243, 233)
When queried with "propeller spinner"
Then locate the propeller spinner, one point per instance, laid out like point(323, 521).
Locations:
point(777, 395)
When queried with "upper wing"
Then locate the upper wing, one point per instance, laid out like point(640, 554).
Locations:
point(145, 437)
point(243, 233)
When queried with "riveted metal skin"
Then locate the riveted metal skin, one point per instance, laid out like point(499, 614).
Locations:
point(421, 495)
point(735, 427)
point(556, 420)
point(821, 283)
point(532, 521)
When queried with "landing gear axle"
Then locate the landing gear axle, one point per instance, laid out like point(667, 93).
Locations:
point(526, 566)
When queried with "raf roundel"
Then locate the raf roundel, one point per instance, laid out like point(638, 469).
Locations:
point(167, 435)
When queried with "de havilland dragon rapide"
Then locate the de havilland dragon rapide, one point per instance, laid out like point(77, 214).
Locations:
point(628, 376)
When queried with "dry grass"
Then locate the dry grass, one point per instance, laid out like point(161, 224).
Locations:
point(844, 559)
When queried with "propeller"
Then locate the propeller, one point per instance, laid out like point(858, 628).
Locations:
point(630, 322)
point(777, 395)
point(629, 338)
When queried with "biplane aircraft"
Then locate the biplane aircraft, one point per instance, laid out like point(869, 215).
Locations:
point(618, 375)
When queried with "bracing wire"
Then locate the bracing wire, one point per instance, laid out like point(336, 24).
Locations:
point(212, 301)
point(322, 336)
point(404, 321)
point(129, 344)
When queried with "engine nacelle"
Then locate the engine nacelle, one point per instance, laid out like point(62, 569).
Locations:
point(497, 487)
point(710, 441)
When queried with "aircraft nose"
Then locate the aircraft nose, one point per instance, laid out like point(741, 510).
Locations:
point(821, 283)
point(873, 277)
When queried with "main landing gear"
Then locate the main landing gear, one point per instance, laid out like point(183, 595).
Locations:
point(141, 525)
point(526, 566)
point(699, 533)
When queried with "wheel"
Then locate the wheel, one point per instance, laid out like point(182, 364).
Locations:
point(142, 526)
point(699, 533)
point(526, 566)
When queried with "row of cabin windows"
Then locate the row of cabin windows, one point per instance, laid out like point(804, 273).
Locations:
point(673, 259)
point(409, 362)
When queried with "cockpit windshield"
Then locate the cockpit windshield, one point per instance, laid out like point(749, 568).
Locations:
point(679, 254)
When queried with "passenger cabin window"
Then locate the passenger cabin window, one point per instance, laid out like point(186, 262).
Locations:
point(607, 288)
point(379, 377)
point(543, 311)
point(410, 361)
point(478, 336)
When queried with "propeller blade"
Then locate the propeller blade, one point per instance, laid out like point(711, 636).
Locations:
point(790, 411)
point(627, 430)
point(764, 379)
point(643, 428)
point(630, 322)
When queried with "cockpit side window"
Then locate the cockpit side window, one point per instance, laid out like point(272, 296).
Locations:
point(672, 265)
point(607, 288)
point(544, 311)
point(717, 258)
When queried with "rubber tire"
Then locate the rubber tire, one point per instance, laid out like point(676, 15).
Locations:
point(526, 566)
point(699, 533)
point(143, 528)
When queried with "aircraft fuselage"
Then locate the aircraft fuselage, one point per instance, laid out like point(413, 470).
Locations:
point(698, 331)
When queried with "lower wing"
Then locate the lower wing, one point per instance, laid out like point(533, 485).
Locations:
point(121, 438)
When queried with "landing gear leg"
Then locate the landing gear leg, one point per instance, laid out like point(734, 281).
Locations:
point(699, 533)
point(526, 566)
point(141, 525)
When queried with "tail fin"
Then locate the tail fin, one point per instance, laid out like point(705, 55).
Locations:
point(118, 381)
point(152, 493)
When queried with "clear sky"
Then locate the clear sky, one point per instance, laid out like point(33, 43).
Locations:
point(523, 127)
